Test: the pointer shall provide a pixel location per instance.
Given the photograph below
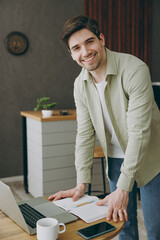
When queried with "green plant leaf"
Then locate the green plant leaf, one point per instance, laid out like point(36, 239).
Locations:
point(41, 104)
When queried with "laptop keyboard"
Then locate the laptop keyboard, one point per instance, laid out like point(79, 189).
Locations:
point(30, 215)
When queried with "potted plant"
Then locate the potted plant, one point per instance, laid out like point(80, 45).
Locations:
point(46, 106)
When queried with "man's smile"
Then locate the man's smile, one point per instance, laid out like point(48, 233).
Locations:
point(88, 59)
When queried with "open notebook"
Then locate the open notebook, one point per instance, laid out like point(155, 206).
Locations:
point(85, 208)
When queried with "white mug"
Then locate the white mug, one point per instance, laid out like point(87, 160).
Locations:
point(48, 229)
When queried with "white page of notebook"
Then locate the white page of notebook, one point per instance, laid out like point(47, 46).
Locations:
point(89, 212)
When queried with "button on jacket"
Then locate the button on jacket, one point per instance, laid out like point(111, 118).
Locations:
point(134, 115)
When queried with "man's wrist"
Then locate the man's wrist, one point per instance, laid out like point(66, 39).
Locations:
point(123, 191)
point(82, 186)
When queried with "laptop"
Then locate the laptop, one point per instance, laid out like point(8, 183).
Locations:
point(39, 206)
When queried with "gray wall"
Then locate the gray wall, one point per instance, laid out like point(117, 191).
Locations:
point(45, 70)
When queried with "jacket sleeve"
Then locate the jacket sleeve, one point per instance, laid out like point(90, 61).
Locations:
point(139, 115)
point(85, 139)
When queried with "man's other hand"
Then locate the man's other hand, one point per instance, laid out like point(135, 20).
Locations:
point(117, 205)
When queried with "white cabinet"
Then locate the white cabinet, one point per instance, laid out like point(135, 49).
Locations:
point(51, 156)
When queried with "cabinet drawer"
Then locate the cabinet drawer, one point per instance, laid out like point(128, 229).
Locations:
point(51, 138)
point(51, 151)
point(59, 174)
point(52, 127)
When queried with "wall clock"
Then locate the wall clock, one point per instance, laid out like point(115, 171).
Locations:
point(17, 43)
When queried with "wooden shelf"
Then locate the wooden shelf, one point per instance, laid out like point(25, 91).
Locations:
point(55, 117)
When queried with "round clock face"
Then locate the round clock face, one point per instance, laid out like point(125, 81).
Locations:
point(17, 43)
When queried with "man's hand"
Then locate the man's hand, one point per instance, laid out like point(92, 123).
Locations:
point(117, 205)
point(75, 193)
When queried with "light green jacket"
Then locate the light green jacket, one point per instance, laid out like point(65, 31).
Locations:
point(134, 115)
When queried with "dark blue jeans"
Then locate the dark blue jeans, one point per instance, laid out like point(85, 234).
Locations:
point(150, 199)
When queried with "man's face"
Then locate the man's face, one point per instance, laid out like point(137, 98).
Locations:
point(86, 49)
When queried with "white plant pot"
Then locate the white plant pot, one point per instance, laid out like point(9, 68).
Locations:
point(47, 113)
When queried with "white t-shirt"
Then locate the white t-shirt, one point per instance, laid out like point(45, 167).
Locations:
point(113, 146)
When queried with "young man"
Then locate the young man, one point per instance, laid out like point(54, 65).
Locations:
point(114, 99)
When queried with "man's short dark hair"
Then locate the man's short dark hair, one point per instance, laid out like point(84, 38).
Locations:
point(75, 24)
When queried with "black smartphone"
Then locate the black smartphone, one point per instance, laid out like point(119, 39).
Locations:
point(96, 230)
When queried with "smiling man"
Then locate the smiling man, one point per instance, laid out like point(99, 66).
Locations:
point(114, 100)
